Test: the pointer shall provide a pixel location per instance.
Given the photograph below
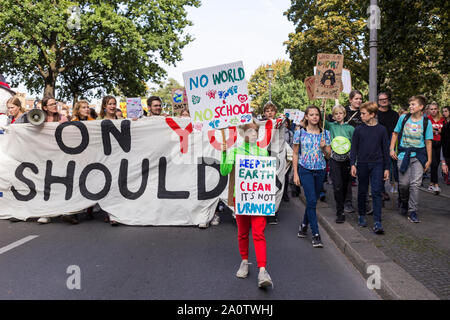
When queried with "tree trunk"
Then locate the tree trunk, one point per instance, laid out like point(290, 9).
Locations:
point(50, 83)
point(75, 98)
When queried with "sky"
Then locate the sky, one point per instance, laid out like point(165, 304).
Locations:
point(252, 31)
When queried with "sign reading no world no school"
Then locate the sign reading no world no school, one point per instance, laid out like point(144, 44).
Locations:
point(218, 96)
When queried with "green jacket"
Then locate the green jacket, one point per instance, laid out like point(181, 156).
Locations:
point(336, 130)
point(228, 159)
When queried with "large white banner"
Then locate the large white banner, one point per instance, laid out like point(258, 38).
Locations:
point(154, 171)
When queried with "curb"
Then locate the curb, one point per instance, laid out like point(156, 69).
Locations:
point(396, 283)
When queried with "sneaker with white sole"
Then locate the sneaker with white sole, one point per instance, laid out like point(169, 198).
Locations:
point(317, 241)
point(348, 208)
point(243, 270)
point(216, 220)
point(264, 279)
point(413, 217)
point(431, 188)
point(302, 231)
point(44, 220)
point(437, 190)
point(203, 225)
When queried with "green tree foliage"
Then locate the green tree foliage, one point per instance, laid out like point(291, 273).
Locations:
point(412, 42)
point(287, 92)
point(113, 44)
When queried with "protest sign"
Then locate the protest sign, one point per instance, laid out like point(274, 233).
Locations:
point(310, 84)
point(255, 185)
point(172, 179)
point(289, 113)
point(346, 81)
point(298, 116)
point(123, 108)
point(179, 100)
point(329, 75)
point(218, 96)
point(134, 108)
point(144, 104)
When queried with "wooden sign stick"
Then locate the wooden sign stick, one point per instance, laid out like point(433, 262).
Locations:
point(324, 113)
point(231, 178)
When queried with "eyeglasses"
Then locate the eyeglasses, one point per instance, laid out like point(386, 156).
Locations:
point(385, 99)
point(156, 105)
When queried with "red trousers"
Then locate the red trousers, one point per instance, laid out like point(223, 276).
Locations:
point(258, 225)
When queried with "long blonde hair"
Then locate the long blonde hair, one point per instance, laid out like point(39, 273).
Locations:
point(76, 110)
point(16, 101)
point(439, 114)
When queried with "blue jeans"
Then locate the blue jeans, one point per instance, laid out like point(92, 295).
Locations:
point(312, 181)
point(374, 172)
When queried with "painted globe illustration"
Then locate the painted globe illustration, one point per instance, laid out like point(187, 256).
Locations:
point(178, 96)
point(341, 145)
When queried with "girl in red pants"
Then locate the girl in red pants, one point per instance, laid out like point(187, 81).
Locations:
point(244, 222)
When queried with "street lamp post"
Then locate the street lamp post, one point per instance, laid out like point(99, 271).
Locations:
point(269, 74)
point(374, 24)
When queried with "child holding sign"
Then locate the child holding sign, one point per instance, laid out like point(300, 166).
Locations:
point(257, 223)
point(311, 146)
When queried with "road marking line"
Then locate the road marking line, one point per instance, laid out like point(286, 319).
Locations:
point(17, 243)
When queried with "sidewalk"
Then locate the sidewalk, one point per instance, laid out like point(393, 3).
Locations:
point(416, 255)
point(422, 249)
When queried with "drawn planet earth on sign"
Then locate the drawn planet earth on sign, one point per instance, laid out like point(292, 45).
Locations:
point(341, 145)
point(178, 96)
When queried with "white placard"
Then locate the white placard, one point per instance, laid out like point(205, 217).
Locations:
point(218, 96)
point(255, 185)
point(134, 108)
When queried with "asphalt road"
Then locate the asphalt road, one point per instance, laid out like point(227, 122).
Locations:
point(181, 263)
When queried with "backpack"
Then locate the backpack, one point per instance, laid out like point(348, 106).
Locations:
point(405, 119)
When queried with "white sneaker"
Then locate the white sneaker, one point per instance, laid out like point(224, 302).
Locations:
point(243, 270)
point(264, 279)
point(437, 190)
point(44, 220)
point(431, 188)
point(216, 220)
point(203, 225)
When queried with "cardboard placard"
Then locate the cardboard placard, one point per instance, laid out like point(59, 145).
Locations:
point(329, 75)
point(310, 84)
